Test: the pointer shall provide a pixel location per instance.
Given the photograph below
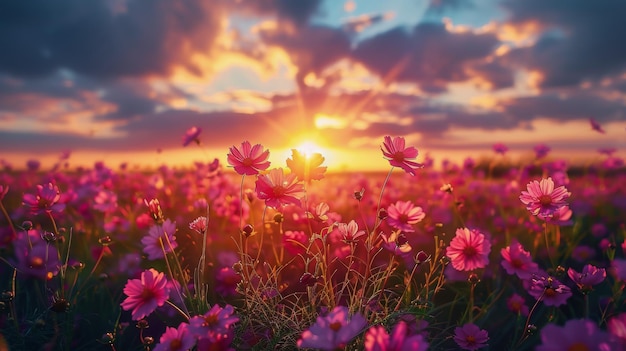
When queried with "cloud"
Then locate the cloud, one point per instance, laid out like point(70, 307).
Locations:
point(581, 40)
point(142, 38)
point(428, 55)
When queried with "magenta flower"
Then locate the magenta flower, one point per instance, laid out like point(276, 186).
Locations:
point(549, 290)
point(46, 199)
point(403, 215)
point(248, 160)
point(516, 260)
point(590, 276)
point(333, 331)
point(306, 167)
point(618, 268)
point(145, 294)
point(617, 327)
point(105, 201)
point(581, 334)
point(517, 304)
point(541, 151)
point(160, 238)
point(35, 257)
point(468, 250)
point(470, 337)
point(542, 199)
point(278, 190)
point(500, 148)
point(350, 232)
point(215, 324)
point(191, 135)
point(176, 339)
point(398, 155)
point(377, 339)
point(295, 242)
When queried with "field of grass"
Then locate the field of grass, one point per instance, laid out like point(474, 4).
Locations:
point(267, 257)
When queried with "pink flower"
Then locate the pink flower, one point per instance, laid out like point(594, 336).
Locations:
point(350, 232)
point(468, 250)
point(516, 260)
point(617, 327)
point(581, 334)
point(470, 337)
point(398, 155)
point(214, 324)
point(377, 339)
point(278, 190)
point(590, 276)
point(516, 304)
point(333, 331)
point(295, 242)
point(145, 294)
point(160, 238)
point(250, 160)
point(542, 199)
point(200, 225)
point(306, 167)
point(549, 290)
point(403, 215)
point(176, 339)
point(46, 200)
point(192, 135)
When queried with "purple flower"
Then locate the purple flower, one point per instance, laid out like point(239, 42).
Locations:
point(551, 291)
point(333, 331)
point(591, 275)
point(618, 267)
point(215, 324)
point(470, 337)
point(191, 135)
point(35, 257)
point(617, 327)
point(581, 334)
point(46, 199)
point(160, 238)
point(500, 148)
point(541, 151)
point(377, 339)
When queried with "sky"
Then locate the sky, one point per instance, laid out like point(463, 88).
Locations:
point(122, 80)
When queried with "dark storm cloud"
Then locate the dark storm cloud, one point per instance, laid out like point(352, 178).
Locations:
point(580, 40)
point(89, 37)
point(296, 12)
point(428, 55)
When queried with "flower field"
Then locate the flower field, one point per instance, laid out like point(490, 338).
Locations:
point(248, 255)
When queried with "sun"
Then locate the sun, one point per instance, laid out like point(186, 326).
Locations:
point(309, 147)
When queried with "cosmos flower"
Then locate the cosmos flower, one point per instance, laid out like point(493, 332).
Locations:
point(176, 339)
point(46, 199)
point(214, 324)
point(576, 334)
point(617, 327)
point(278, 190)
point(398, 155)
point(470, 337)
point(350, 232)
point(542, 199)
point(200, 225)
point(191, 135)
point(160, 238)
point(468, 250)
point(517, 304)
point(500, 148)
point(145, 294)
point(248, 160)
point(541, 151)
point(516, 260)
point(551, 291)
point(306, 167)
point(377, 339)
point(590, 276)
point(333, 331)
point(403, 215)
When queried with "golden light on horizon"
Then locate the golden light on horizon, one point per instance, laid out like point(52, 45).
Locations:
point(325, 121)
